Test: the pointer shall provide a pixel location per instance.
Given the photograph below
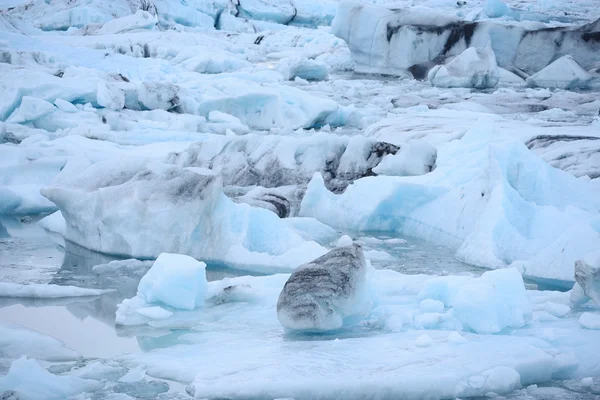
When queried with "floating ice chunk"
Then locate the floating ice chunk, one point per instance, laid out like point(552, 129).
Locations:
point(134, 375)
point(175, 280)
point(577, 295)
point(323, 294)
point(281, 12)
point(110, 96)
point(431, 320)
point(214, 63)
point(431, 306)
point(344, 241)
point(16, 341)
point(190, 206)
point(495, 8)
point(587, 275)
point(417, 157)
point(424, 341)
point(158, 95)
point(589, 381)
point(46, 291)
point(65, 106)
point(557, 310)
point(54, 222)
point(499, 380)
point(312, 229)
point(31, 108)
point(493, 302)
point(564, 73)
point(378, 255)
point(473, 68)
point(564, 364)
point(443, 288)
point(302, 67)
point(590, 320)
point(32, 382)
point(509, 78)
point(455, 337)
point(140, 20)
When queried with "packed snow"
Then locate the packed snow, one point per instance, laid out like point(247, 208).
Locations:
point(299, 199)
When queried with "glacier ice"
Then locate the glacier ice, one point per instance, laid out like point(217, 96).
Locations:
point(417, 157)
point(474, 67)
point(311, 70)
point(564, 73)
point(17, 341)
point(184, 202)
point(176, 281)
point(31, 108)
point(325, 293)
point(387, 39)
point(493, 302)
point(487, 304)
point(502, 197)
point(587, 275)
point(46, 291)
point(29, 380)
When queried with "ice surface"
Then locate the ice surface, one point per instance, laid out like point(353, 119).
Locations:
point(495, 9)
point(492, 302)
point(201, 91)
point(564, 73)
point(30, 109)
point(326, 293)
point(587, 275)
point(487, 304)
point(417, 157)
point(32, 382)
point(304, 68)
point(176, 281)
point(493, 186)
point(590, 320)
point(16, 341)
point(46, 291)
point(474, 68)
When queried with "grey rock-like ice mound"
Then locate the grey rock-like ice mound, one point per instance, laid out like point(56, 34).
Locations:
point(326, 293)
point(587, 275)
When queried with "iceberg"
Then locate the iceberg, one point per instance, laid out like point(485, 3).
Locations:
point(300, 67)
point(175, 280)
point(473, 68)
point(321, 295)
point(387, 39)
point(497, 198)
point(126, 207)
point(564, 73)
point(29, 380)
